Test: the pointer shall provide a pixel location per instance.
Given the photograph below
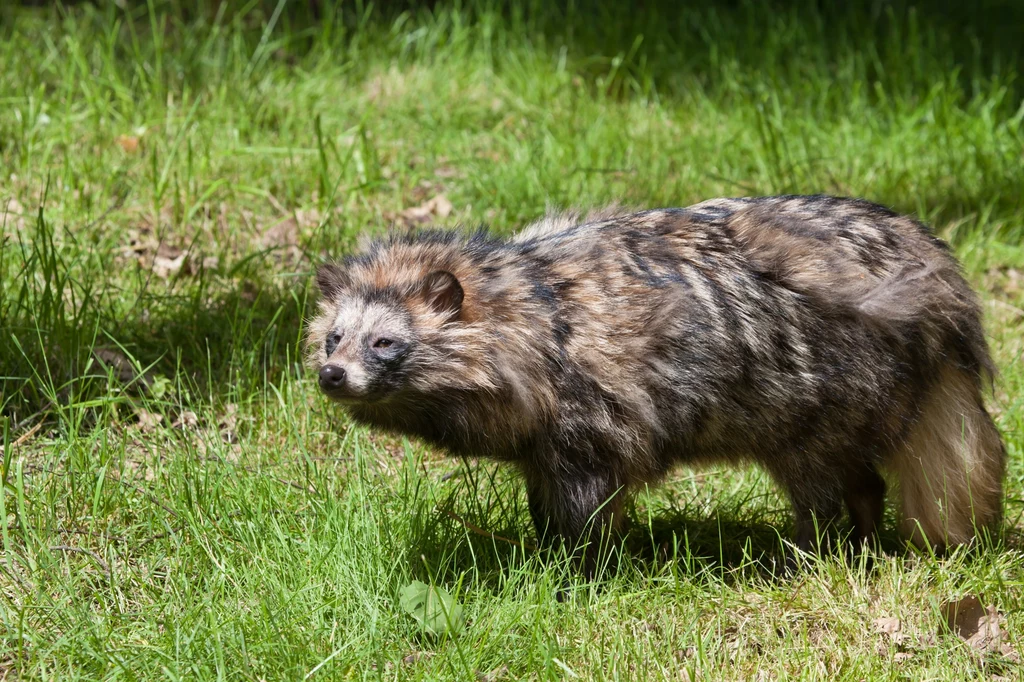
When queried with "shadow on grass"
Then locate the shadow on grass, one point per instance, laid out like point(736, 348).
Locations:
point(214, 335)
point(729, 545)
point(735, 542)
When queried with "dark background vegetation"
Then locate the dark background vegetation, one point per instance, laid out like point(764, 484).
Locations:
point(794, 58)
point(679, 39)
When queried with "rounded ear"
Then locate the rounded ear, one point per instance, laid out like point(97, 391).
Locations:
point(331, 279)
point(443, 293)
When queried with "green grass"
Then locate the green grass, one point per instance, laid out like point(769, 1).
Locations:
point(191, 508)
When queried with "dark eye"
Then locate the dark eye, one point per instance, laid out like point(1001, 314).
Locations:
point(332, 343)
point(382, 343)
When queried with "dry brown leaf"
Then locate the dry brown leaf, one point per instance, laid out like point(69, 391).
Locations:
point(963, 616)
point(165, 268)
point(417, 656)
point(148, 420)
point(228, 423)
point(892, 628)
point(141, 242)
point(436, 207)
point(129, 143)
point(989, 636)
point(117, 362)
point(194, 266)
point(234, 454)
point(186, 420)
point(230, 417)
point(139, 470)
point(168, 260)
point(169, 250)
point(683, 655)
point(7, 666)
point(979, 626)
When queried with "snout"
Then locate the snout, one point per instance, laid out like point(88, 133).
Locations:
point(332, 379)
point(346, 383)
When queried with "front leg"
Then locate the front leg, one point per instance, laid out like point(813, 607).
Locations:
point(578, 509)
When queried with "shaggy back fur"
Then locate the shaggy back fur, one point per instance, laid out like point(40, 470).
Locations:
point(823, 338)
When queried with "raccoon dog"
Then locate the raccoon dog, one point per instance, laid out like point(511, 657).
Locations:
point(825, 339)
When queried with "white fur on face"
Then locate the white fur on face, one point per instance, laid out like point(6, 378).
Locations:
point(360, 324)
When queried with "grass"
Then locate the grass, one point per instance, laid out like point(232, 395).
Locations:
point(178, 502)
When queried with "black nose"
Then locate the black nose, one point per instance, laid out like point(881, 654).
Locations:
point(331, 377)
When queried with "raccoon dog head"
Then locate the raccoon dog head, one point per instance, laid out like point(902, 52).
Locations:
point(368, 341)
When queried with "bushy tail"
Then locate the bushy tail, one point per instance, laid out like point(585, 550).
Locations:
point(950, 467)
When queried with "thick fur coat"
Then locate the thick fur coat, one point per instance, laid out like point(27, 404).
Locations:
point(822, 338)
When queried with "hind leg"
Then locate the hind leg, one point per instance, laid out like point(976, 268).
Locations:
point(817, 500)
point(865, 500)
point(814, 522)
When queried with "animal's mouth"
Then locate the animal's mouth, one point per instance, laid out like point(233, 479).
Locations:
point(344, 395)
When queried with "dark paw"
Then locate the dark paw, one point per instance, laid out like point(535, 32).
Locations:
point(782, 565)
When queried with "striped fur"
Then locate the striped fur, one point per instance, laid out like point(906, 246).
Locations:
point(825, 339)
